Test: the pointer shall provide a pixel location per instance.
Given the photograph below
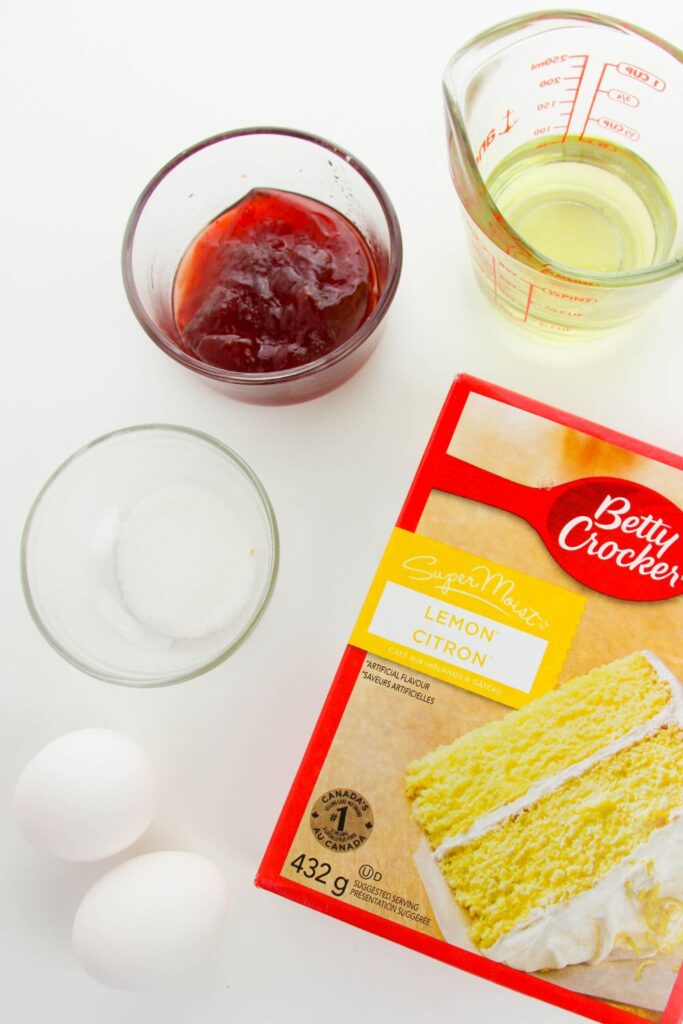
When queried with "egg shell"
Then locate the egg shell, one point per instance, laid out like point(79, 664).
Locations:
point(150, 920)
point(87, 795)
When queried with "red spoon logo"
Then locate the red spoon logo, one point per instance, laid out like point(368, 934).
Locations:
point(615, 536)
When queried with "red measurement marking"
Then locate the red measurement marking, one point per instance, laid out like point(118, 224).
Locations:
point(642, 76)
point(568, 296)
point(619, 128)
point(480, 262)
point(570, 113)
point(623, 97)
point(558, 59)
point(495, 133)
point(510, 270)
point(495, 279)
point(595, 96)
point(509, 283)
point(528, 303)
point(565, 312)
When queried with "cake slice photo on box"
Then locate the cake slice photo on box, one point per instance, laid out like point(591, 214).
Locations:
point(554, 836)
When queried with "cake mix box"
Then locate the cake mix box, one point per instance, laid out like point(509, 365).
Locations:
point(496, 778)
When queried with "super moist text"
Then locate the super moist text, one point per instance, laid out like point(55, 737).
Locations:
point(479, 580)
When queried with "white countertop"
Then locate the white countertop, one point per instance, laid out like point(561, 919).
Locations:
point(97, 97)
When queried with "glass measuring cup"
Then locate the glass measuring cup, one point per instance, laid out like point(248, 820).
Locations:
point(554, 89)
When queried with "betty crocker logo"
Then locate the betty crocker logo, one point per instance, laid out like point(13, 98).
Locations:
point(615, 536)
point(619, 538)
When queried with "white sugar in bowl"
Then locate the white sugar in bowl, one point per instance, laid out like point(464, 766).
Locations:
point(149, 555)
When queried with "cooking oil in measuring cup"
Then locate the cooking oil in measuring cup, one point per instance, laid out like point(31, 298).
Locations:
point(585, 205)
point(564, 150)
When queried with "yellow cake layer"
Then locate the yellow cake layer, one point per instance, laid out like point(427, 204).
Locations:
point(561, 845)
point(454, 785)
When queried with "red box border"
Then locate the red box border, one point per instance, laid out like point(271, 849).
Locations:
point(269, 873)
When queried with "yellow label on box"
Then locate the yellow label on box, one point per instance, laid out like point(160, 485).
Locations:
point(466, 620)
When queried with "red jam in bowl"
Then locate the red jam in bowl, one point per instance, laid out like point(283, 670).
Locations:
point(274, 282)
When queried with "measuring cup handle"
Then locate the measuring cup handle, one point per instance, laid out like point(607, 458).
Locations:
point(455, 476)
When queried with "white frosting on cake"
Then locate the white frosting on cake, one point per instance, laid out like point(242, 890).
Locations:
point(607, 920)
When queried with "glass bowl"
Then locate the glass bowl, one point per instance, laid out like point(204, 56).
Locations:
point(68, 552)
point(205, 180)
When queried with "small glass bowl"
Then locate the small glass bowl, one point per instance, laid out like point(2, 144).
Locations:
point(205, 180)
point(68, 552)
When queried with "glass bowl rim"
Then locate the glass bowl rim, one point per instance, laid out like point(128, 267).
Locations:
point(170, 678)
point(275, 376)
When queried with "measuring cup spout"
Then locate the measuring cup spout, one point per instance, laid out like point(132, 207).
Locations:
point(471, 187)
point(468, 183)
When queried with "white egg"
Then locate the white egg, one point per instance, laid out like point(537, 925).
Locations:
point(150, 920)
point(87, 795)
